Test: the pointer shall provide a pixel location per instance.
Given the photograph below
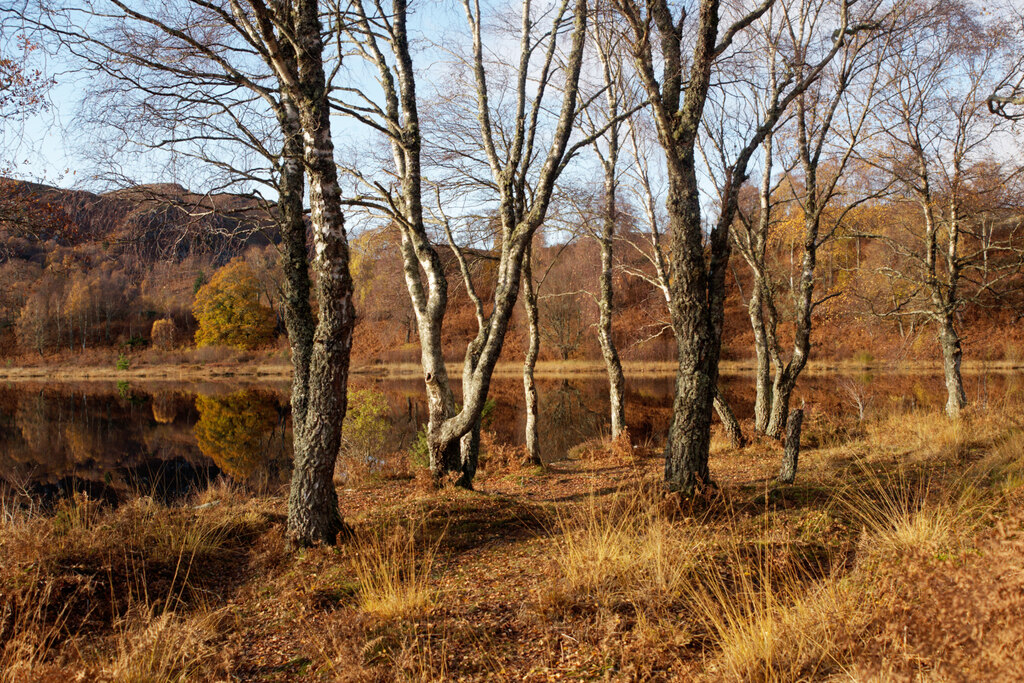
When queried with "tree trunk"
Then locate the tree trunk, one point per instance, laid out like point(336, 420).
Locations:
point(763, 383)
point(522, 208)
point(313, 509)
point(698, 339)
point(729, 421)
point(606, 303)
point(430, 307)
point(313, 515)
point(789, 460)
point(430, 303)
point(481, 357)
point(469, 449)
point(786, 377)
point(613, 365)
point(686, 454)
point(533, 456)
point(757, 248)
point(952, 355)
point(298, 315)
point(782, 392)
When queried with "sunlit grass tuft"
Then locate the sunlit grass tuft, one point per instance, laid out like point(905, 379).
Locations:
point(626, 552)
point(770, 624)
point(394, 569)
point(899, 514)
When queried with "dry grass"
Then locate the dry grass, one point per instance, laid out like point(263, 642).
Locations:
point(1002, 468)
point(120, 594)
point(771, 625)
point(28, 633)
point(896, 555)
point(394, 571)
point(155, 647)
point(900, 515)
point(626, 552)
point(764, 622)
point(914, 493)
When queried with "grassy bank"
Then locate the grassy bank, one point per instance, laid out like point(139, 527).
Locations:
point(896, 555)
point(203, 365)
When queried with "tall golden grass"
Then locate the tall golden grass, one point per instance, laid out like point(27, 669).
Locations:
point(628, 551)
point(394, 570)
point(153, 623)
point(912, 489)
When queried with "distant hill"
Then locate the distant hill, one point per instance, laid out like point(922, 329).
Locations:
point(150, 222)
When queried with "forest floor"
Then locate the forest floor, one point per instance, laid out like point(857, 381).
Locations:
point(897, 555)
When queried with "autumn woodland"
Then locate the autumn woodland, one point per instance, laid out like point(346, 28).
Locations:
point(642, 340)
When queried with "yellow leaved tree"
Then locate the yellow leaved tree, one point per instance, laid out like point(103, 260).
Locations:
point(229, 311)
point(236, 431)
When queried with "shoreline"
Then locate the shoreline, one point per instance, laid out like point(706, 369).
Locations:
point(193, 372)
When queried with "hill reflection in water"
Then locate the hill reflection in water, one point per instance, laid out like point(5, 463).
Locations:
point(113, 440)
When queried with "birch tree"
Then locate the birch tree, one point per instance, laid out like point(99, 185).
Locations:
point(607, 147)
point(826, 124)
point(511, 149)
point(675, 55)
point(217, 60)
point(937, 129)
point(641, 186)
point(379, 33)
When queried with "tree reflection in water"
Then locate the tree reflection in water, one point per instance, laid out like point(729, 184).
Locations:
point(243, 433)
point(167, 440)
point(567, 417)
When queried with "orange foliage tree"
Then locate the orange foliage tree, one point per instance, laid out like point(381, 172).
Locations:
point(229, 311)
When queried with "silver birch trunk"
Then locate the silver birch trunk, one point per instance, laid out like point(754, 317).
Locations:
point(313, 515)
point(613, 365)
point(763, 393)
point(949, 340)
point(791, 456)
point(729, 421)
point(606, 300)
point(532, 440)
point(298, 315)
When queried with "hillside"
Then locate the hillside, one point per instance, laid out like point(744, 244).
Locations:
point(81, 271)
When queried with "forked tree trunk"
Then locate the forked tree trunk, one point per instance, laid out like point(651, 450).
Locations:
point(423, 269)
point(430, 303)
point(519, 220)
point(786, 377)
point(533, 456)
point(430, 307)
point(468, 444)
point(696, 322)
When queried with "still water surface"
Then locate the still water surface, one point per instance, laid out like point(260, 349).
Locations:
point(114, 439)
